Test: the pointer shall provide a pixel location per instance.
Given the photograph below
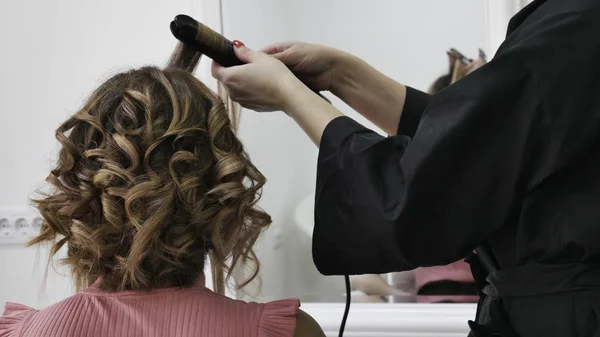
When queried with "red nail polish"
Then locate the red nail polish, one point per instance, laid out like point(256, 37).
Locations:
point(238, 43)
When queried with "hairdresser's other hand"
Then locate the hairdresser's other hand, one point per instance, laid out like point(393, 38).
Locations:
point(262, 84)
point(315, 65)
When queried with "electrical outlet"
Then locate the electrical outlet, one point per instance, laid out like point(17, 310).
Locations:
point(5, 228)
point(36, 224)
point(22, 227)
point(18, 225)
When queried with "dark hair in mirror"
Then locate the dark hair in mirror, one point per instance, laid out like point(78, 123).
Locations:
point(440, 83)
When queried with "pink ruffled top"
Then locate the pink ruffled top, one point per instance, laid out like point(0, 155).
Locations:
point(195, 311)
point(458, 271)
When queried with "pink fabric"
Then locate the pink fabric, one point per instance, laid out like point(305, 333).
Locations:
point(195, 311)
point(441, 298)
point(458, 271)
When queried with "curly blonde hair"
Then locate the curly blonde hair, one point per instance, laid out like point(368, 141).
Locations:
point(150, 180)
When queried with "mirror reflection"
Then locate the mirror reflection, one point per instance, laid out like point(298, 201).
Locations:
point(393, 37)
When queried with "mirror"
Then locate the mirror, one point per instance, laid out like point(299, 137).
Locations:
point(406, 40)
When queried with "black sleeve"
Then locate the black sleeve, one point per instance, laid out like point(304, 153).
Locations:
point(397, 203)
point(414, 106)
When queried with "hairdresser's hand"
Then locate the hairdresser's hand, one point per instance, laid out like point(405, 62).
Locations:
point(262, 84)
point(266, 84)
point(317, 66)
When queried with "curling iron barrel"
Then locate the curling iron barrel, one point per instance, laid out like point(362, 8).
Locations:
point(208, 42)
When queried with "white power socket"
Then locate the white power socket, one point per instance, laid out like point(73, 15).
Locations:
point(18, 225)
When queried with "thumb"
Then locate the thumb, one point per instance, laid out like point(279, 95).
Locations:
point(274, 48)
point(287, 57)
point(244, 53)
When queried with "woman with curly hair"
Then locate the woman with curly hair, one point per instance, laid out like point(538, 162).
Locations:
point(150, 182)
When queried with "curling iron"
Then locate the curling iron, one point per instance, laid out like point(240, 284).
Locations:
point(459, 56)
point(207, 41)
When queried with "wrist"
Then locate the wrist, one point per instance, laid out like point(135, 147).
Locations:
point(296, 93)
point(310, 111)
point(344, 72)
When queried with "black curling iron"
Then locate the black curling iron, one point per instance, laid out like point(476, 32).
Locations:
point(207, 41)
point(459, 56)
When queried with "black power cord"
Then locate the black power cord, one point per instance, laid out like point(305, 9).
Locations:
point(347, 310)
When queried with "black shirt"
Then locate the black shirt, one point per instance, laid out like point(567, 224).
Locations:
point(509, 155)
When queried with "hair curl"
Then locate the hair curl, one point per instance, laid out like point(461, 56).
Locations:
point(150, 180)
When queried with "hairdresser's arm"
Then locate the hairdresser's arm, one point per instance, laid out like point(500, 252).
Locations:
point(313, 113)
point(374, 95)
point(310, 111)
point(379, 98)
point(264, 84)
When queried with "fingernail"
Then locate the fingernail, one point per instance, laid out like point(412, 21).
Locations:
point(238, 43)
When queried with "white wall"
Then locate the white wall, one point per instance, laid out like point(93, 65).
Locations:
point(51, 63)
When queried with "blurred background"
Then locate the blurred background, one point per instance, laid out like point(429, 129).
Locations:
point(56, 52)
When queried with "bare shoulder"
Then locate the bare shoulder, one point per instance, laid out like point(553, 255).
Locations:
point(306, 326)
